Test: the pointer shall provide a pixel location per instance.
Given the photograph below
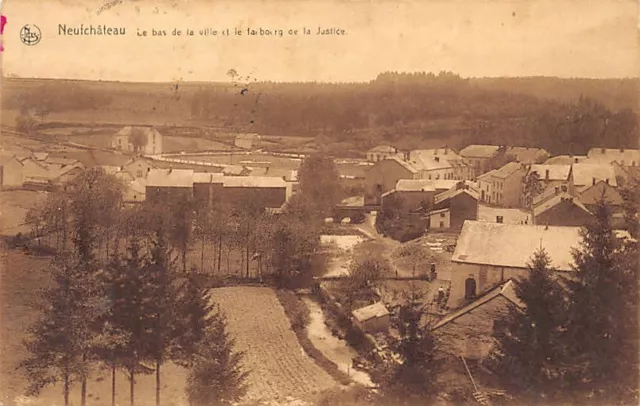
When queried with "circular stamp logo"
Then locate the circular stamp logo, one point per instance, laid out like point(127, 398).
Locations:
point(30, 34)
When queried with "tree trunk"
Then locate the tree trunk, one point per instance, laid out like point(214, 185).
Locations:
point(113, 384)
point(219, 252)
point(202, 256)
point(83, 392)
point(184, 259)
point(66, 389)
point(158, 382)
point(132, 384)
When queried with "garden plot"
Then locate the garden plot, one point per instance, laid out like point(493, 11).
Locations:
point(280, 370)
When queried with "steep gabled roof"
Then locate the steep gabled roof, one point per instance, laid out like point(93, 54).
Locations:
point(528, 155)
point(506, 290)
point(511, 245)
point(451, 193)
point(556, 200)
point(556, 172)
point(585, 173)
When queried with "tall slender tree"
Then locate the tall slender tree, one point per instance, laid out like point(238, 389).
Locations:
point(530, 356)
point(216, 376)
point(599, 322)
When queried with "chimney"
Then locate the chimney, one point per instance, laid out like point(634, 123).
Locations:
point(575, 160)
point(593, 181)
point(171, 169)
point(445, 150)
point(406, 156)
point(546, 174)
point(603, 150)
point(606, 181)
point(557, 190)
point(621, 150)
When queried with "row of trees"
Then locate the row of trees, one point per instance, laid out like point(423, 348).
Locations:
point(123, 298)
point(134, 312)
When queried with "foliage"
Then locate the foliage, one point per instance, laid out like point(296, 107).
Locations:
point(631, 202)
point(291, 249)
point(297, 312)
point(416, 371)
point(63, 338)
point(529, 356)
point(320, 183)
point(138, 138)
point(216, 376)
point(531, 188)
point(602, 318)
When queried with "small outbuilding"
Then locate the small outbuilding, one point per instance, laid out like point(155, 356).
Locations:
point(372, 319)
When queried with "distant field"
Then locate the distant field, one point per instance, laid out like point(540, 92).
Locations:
point(280, 369)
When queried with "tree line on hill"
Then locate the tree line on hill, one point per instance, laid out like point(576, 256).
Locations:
point(123, 298)
point(563, 116)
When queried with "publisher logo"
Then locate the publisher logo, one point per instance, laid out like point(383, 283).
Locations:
point(30, 34)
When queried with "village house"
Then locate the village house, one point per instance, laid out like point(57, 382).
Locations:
point(469, 331)
point(383, 176)
point(134, 191)
point(479, 157)
point(57, 163)
point(65, 174)
point(267, 192)
point(527, 155)
point(453, 207)
point(488, 254)
point(551, 176)
point(11, 172)
point(503, 186)
point(139, 167)
point(562, 210)
point(624, 157)
point(137, 139)
point(380, 152)
point(590, 196)
point(164, 185)
point(585, 175)
point(411, 194)
point(440, 163)
point(502, 215)
point(207, 187)
point(35, 171)
point(372, 319)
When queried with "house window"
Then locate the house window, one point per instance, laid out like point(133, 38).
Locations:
point(442, 215)
point(139, 173)
point(470, 288)
point(442, 224)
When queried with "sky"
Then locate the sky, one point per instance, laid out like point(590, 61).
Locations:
point(474, 38)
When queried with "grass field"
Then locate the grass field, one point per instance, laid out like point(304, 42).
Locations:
point(280, 370)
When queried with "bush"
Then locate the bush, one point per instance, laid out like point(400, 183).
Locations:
point(296, 311)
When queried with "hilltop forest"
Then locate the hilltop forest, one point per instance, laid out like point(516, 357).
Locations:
point(408, 110)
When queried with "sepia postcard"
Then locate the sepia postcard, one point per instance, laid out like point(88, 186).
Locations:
point(319, 202)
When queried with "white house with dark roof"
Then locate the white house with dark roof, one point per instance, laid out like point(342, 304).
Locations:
point(383, 176)
point(441, 163)
point(503, 186)
point(488, 254)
